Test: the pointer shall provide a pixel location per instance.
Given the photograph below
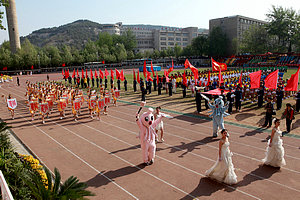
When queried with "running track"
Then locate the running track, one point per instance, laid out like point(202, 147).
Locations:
point(106, 154)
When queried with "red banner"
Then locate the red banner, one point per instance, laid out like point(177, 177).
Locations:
point(217, 65)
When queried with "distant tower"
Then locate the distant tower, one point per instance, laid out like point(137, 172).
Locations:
point(11, 15)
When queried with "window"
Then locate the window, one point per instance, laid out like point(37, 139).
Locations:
point(171, 39)
point(163, 48)
point(163, 38)
point(178, 34)
point(184, 39)
point(185, 34)
point(170, 34)
point(194, 34)
point(185, 44)
point(163, 43)
point(170, 43)
point(178, 39)
point(163, 33)
point(178, 43)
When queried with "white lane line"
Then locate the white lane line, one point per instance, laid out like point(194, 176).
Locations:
point(236, 133)
point(242, 155)
point(75, 155)
point(200, 133)
point(198, 155)
point(186, 193)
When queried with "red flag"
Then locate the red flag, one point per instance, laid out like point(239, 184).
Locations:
point(171, 68)
point(103, 62)
point(221, 80)
point(255, 79)
point(5, 68)
point(134, 78)
point(73, 75)
point(217, 65)
point(86, 73)
point(292, 83)
point(157, 78)
point(106, 73)
point(138, 76)
point(31, 66)
point(82, 74)
point(77, 73)
point(91, 72)
point(62, 72)
point(63, 64)
point(145, 69)
point(96, 75)
point(149, 76)
point(240, 80)
point(117, 74)
point(122, 77)
point(271, 80)
point(187, 63)
point(67, 73)
point(112, 74)
point(152, 69)
point(101, 74)
point(208, 79)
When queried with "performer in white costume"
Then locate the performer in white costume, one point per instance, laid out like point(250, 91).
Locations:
point(275, 150)
point(223, 169)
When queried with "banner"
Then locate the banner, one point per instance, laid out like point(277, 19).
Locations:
point(33, 105)
point(217, 65)
point(101, 104)
point(77, 105)
point(271, 80)
point(255, 79)
point(44, 108)
point(292, 83)
point(12, 103)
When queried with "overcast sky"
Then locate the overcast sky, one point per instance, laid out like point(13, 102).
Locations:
point(36, 14)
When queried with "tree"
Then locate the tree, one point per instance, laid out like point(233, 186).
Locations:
point(105, 39)
point(256, 40)
point(187, 51)
point(200, 45)
point(28, 54)
point(218, 42)
point(285, 25)
point(54, 52)
point(5, 55)
point(2, 3)
point(129, 40)
point(177, 51)
point(66, 55)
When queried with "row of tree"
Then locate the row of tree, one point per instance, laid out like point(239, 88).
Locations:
point(280, 34)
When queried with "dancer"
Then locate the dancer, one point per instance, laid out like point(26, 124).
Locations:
point(160, 125)
point(275, 151)
point(11, 104)
point(223, 169)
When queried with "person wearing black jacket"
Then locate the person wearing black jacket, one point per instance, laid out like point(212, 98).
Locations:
point(184, 90)
point(159, 88)
point(105, 82)
point(97, 81)
point(134, 85)
point(119, 84)
point(170, 86)
point(238, 99)
point(82, 82)
point(269, 107)
point(206, 89)
point(93, 82)
point(125, 84)
point(154, 83)
point(88, 81)
point(279, 97)
point(149, 84)
point(297, 97)
point(198, 99)
point(260, 97)
point(144, 92)
point(230, 100)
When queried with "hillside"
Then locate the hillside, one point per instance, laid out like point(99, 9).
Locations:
point(74, 34)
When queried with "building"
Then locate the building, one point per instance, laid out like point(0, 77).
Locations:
point(234, 26)
point(150, 37)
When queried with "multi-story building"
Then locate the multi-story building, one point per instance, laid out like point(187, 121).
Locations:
point(150, 38)
point(234, 26)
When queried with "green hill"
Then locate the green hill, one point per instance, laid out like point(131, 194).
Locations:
point(74, 34)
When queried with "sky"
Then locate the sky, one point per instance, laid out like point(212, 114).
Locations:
point(36, 14)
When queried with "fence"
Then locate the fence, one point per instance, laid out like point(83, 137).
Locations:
point(6, 195)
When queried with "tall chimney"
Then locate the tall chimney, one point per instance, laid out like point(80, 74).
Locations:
point(11, 15)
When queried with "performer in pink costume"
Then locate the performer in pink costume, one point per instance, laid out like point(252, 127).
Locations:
point(147, 134)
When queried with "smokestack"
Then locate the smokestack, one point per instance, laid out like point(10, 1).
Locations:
point(11, 15)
